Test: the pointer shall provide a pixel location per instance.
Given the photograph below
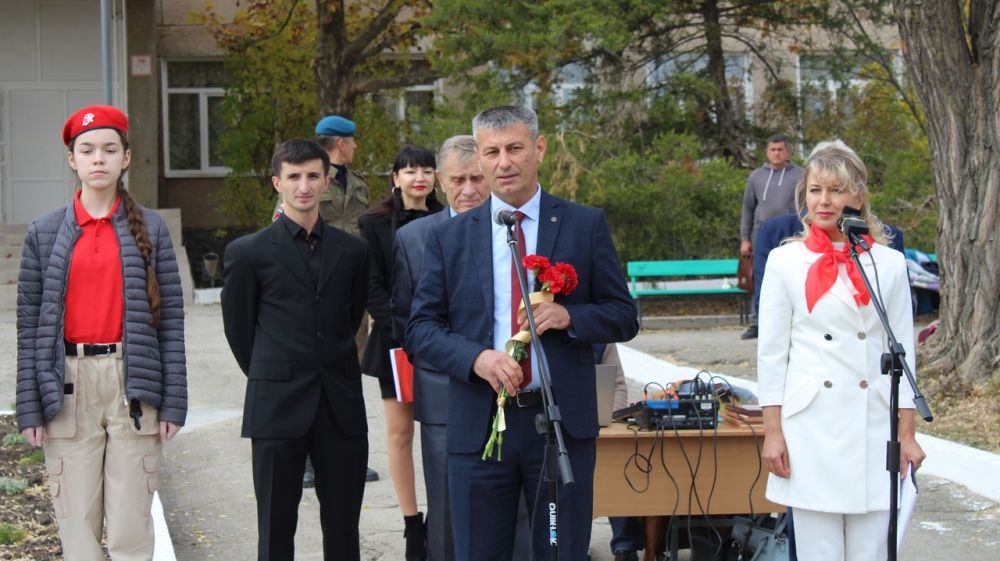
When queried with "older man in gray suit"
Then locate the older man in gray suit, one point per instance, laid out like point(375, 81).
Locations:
point(465, 188)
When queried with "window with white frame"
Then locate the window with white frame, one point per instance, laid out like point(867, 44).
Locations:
point(409, 102)
point(660, 70)
point(192, 98)
point(824, 76)
point(570, 79)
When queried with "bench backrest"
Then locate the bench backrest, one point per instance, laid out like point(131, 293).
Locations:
point(683, 268)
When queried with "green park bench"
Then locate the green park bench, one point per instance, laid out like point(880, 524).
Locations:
point(655, 271)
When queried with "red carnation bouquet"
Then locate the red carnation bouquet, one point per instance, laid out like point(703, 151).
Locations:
point(560, 278)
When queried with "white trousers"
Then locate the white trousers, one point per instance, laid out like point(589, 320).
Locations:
point(824, 536)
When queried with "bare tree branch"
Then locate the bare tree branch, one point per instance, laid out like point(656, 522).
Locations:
point(386, 15)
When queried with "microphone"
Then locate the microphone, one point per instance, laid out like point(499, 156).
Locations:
point(505, 218)
point(853, 226)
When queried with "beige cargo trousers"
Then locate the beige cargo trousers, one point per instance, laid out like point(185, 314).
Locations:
point(101, 469)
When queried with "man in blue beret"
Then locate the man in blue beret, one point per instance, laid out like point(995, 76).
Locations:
point(347, 198)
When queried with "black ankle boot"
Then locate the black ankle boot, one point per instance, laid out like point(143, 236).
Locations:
point(415, 533)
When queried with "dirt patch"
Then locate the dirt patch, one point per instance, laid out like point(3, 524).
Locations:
point(972, 419)
point(27, 518)
point(712, 305)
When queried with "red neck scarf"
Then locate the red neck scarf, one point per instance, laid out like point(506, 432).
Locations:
point(824, 271)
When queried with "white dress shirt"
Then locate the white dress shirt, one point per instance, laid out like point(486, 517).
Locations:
point(501, 271)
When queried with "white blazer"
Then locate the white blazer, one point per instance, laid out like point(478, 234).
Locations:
point(823, 369)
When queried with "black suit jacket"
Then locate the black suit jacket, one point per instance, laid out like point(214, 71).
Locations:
point(430, 385)
point(292, 339)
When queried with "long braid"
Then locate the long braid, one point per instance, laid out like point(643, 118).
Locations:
point(137, 225)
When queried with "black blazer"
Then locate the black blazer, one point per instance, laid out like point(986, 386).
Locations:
point(376, 229)
point(430, 386)
point(292, 339)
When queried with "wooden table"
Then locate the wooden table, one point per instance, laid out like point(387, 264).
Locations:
point(735, 454)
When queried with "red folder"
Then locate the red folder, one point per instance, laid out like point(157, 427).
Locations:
point(402, 374)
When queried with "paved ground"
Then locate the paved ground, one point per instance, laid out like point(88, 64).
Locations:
point(207, 494)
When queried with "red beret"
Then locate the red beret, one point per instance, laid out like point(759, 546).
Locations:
point(94, 117)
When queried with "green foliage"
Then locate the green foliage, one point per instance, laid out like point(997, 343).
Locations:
point(14, 439)
point(665, 204)
point(12, 486)
point(270, 97)
point(36, 456)
point(877, 122)
point(11, 534)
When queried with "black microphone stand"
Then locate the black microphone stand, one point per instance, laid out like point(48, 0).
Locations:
point(894, 365)
point(550, 422)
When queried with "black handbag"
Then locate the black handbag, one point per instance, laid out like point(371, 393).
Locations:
point(760, 539)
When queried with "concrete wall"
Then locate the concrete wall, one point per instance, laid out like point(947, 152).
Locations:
point(196, 196)
point(143, 104)
point(181, 36)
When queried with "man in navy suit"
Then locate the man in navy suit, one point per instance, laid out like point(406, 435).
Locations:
point(462, 317)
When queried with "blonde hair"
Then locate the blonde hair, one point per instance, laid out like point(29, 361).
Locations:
point(836, 159)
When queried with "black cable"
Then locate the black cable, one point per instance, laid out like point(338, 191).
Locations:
point(760, 466)
point(635, 457)
point(663, 462)
point(693, 471)
point(708, 388)
point(645, 389)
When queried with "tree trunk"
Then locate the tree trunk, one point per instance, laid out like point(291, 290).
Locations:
point(955, 64)
point(729, 131)
point(333, 73)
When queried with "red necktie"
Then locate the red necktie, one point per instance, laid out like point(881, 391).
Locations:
point(516, 297)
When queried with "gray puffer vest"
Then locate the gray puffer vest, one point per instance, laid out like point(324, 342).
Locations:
point(155, 368)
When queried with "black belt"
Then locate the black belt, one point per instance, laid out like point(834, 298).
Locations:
point(526, 399)
point(91, 349)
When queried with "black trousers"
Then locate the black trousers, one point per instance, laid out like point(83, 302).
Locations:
point(339, 463)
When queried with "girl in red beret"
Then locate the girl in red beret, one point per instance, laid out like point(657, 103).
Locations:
point(101, 376)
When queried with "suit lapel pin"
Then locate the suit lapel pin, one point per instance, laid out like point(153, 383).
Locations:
point(554, 219)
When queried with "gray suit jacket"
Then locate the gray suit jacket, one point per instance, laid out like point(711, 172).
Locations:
point(430, 386)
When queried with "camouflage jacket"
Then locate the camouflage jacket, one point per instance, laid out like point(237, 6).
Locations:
point(341, 209)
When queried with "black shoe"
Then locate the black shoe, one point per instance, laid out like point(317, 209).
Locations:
point(371, 475)
point(626, 555)
point(415, 534)
point(309, 476)
point(750, 333)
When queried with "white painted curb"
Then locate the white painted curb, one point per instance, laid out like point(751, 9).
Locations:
point(163, 547)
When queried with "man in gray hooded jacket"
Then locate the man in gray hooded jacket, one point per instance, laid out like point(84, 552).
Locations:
point(770, 192)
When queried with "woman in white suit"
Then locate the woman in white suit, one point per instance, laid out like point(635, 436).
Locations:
point(826, 403)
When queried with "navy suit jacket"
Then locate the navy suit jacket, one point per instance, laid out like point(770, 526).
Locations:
point(430, 385)
point(451, 322)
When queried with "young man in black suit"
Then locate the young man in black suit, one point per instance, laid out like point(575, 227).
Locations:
point(293, 299)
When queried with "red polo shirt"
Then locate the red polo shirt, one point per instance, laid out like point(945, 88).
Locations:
point(95, 294)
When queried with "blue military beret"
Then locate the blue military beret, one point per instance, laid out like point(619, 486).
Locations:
point(335, 125)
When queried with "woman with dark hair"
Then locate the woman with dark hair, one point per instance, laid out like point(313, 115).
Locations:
point(412, 197)
point(101, 375)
